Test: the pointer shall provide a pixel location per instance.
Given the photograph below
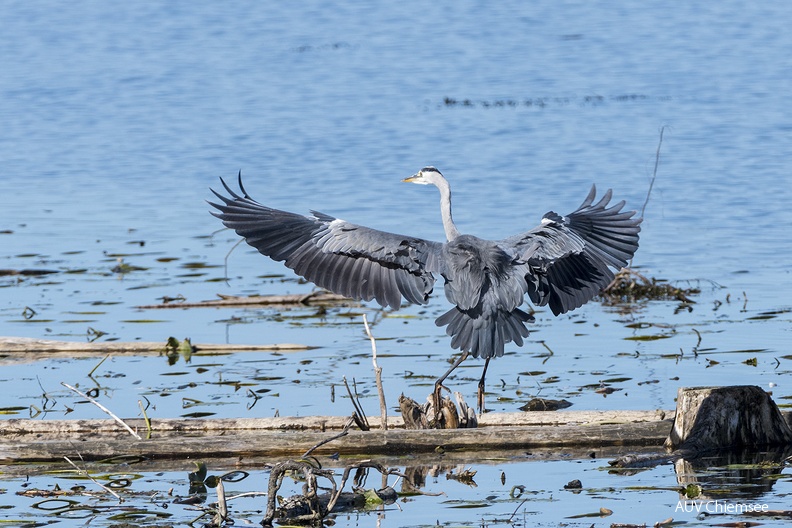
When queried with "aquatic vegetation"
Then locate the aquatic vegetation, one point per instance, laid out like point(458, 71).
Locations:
point(630, 286)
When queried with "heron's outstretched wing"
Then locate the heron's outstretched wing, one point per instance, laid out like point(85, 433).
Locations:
point(571, 258)
point(345, 258)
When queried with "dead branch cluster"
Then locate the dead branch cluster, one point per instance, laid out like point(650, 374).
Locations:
point(311, 505)
point(628, 285)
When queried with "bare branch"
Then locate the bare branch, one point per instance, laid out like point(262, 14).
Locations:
point(344, 432)
point(654, 173)
point(86, 474)
point(105, 409)
point(377, 375)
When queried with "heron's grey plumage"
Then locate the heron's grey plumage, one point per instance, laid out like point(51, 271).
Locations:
point(563, 263)
point(345, 258)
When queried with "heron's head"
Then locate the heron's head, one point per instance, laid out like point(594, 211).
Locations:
point(425, 176)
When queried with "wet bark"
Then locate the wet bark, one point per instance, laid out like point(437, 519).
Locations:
point(34, 347)
point(317, 298)
point(712, 418)
point(46, 440)
point(417, 416)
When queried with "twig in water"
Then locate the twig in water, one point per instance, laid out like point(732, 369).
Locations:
point(359, 415)
point(222, 506)
point(85, 472)
point(516, 509)
point(344, 432)
point(255, 399)
point(247, 494)
point(654, 173)
point(146, 419)
point(225, 260)
point(651, 183)
point(90, 374)
point(105, 409)
point(549, 350)
point(377, 375)
point(45, 395)
point(699, 338)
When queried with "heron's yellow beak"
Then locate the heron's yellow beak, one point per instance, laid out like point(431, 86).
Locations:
point(412, 178)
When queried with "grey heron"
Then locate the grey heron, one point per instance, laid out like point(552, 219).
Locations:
point(563, 263)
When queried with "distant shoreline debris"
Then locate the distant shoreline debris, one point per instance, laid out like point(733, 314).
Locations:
point(541, 102)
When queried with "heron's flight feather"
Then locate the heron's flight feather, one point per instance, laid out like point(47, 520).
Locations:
point(348, 259)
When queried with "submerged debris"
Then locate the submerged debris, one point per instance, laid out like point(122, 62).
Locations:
point(316, 298)
point(310, 506)
point(28, 272)
point(465, 476)
point(543, 404)
point(122, 267)
point(628, 285)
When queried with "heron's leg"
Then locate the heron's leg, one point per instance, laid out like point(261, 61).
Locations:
point(480, 393)
point(441, 379)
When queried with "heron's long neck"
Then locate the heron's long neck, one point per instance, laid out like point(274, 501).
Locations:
point(445, 210)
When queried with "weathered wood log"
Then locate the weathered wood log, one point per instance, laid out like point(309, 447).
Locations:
point(368, 443)
point(711, 418)
point(21, 426)
point(305, 299)
point(30, 345)
point(641, 460)
point(37, 440)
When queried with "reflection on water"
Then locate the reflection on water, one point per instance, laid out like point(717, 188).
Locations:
point(503, 489)
point(736, 476)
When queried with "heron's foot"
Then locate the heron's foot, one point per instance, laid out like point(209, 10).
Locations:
point(480, 397)
point(437, 398)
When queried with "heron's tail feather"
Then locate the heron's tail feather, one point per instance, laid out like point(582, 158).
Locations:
point(482, 336)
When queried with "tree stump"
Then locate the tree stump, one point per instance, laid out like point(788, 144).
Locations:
point(711, 418)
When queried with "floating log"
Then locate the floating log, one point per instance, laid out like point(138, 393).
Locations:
point(26, 272)
point(47, 440)
point(25, 344)
point(543, 404)
point(306, 299)
point(711, 418)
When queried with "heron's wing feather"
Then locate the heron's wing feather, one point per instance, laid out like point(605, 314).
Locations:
point(345, 258)
point(571, 258)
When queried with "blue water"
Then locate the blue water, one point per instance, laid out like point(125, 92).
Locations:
point(118, 118)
